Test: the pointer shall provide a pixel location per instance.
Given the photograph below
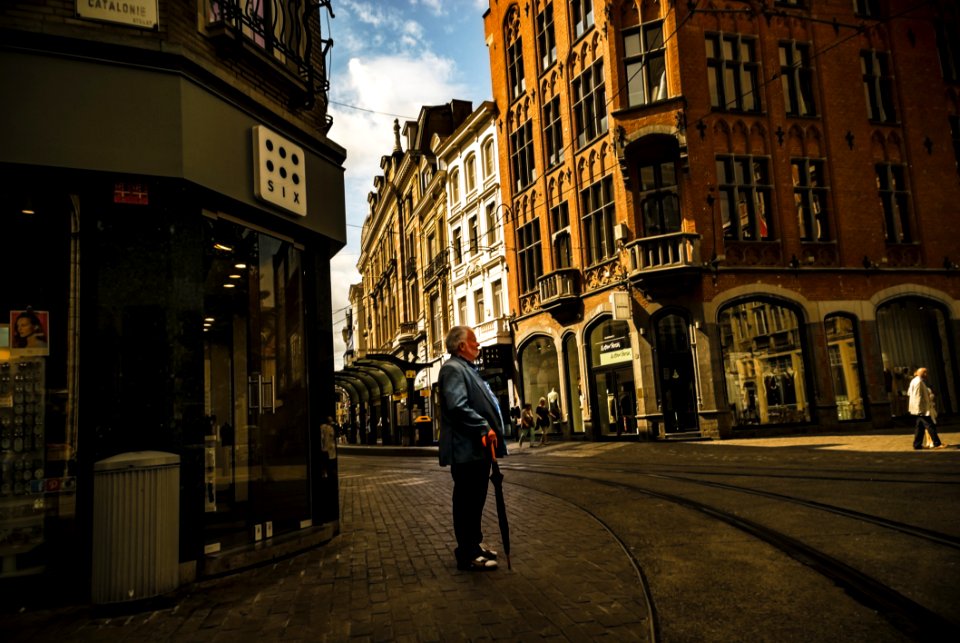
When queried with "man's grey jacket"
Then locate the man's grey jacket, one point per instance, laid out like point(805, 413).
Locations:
point(468, 409)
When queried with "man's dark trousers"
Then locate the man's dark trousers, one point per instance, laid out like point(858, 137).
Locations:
point(470, 481)
point(924, 424)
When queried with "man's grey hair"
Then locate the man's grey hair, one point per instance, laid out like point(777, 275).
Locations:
point(455, 337)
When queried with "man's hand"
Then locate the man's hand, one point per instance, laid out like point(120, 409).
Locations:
point(490, 439)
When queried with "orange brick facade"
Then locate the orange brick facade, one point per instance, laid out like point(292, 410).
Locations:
point(782, 178)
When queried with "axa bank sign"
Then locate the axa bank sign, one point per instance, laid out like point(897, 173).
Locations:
point(279, 171)
point(615, 350)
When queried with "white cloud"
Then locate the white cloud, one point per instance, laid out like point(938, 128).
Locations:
point(394, 86)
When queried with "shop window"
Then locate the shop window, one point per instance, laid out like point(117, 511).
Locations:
point(764, 369)
point(539, 369)
point(732, 72)
point(610, 377)
point(913, 333)
point(842, 352)
point(575, 387)
point(645, 64)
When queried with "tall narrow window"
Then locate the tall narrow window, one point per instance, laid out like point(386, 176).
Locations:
point(867, 8)
point(810, 198)
point(462, 311)
point(562, 249)
point(518, 84)
point(457, 247)
point(436, 324)
point(744, 184)
point(546, 41)
point(895, 201)
point(474, 236)
point(598, 219)
point(796, 75)
point(553, 132)
point(732, 71)
point(645, 64)
point(581, 16)
point(878, 86)
point(948, 46)
point(659, 200)
point(455, 186)
point(590, 104)
point(529, 256)
point(470, 173)
point(479, 309)
point(493, 226)
point(955, 137)
point(521, 156)
point(496, 298)
point(488, 160)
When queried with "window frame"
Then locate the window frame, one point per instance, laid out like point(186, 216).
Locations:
point(529, 256)
point(597, 219)
point(731, 190)
point(522, 163)
point(552, 132)
point(722, 71)
point(658, 193)
point(894, 202)
point(878, 85)
point(470, 173)
point(546, 37)
point(561, 245)
point(516, 81)
point(581, 17)
point(807, 195)
point(797, 79)
point(589, 100)
point(644, 57)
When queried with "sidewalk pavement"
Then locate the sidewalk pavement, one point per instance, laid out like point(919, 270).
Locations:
point(390, 574)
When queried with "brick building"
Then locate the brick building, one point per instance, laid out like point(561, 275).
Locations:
point(726, 214)
point(170, 204)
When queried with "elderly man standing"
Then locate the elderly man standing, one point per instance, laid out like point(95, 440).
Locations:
point(922, 408)
point(470, 422)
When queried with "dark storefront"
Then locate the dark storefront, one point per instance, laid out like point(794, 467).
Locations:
point(169, 302)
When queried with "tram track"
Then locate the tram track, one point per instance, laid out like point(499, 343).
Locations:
point(906, 615)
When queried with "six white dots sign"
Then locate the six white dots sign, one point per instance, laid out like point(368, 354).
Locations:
point(279, 171)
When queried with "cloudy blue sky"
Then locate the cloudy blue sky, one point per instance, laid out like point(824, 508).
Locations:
point(389, 58)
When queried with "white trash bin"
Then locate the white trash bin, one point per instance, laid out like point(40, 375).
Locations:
point(136, 526)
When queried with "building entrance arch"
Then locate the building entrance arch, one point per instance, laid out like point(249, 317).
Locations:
point(676, 379)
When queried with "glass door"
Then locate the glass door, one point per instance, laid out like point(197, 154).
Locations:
point(255, 387)
point(676, 375)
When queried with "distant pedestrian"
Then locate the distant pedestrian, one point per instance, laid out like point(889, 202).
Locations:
point(526, 424)
point(543, 420)
point(470, 426)
point(921, 407)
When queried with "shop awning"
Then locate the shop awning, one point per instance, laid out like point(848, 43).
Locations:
point(381, 374)
point(353, 388)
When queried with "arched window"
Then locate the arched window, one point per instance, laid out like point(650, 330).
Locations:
point(914, 332)
point(763, 363)
point(843, 353)
point(455, 186)
point(470, 173)
point(488, 161)
point(539, 368)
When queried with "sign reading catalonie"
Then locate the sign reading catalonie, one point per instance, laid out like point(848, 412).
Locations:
point(139, 13)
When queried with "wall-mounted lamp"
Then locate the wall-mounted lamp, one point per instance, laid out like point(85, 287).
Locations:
point(27, 207)
point(794, 262)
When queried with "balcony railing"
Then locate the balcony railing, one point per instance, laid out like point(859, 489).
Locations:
point(664, 252)
point(408, 332)
point(436, 267)
point(283, 31)
point(558, 287)
point(492, 329)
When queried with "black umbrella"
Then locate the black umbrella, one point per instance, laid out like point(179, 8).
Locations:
point(497, 478)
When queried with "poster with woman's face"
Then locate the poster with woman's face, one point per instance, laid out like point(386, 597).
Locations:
point(29, 332)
